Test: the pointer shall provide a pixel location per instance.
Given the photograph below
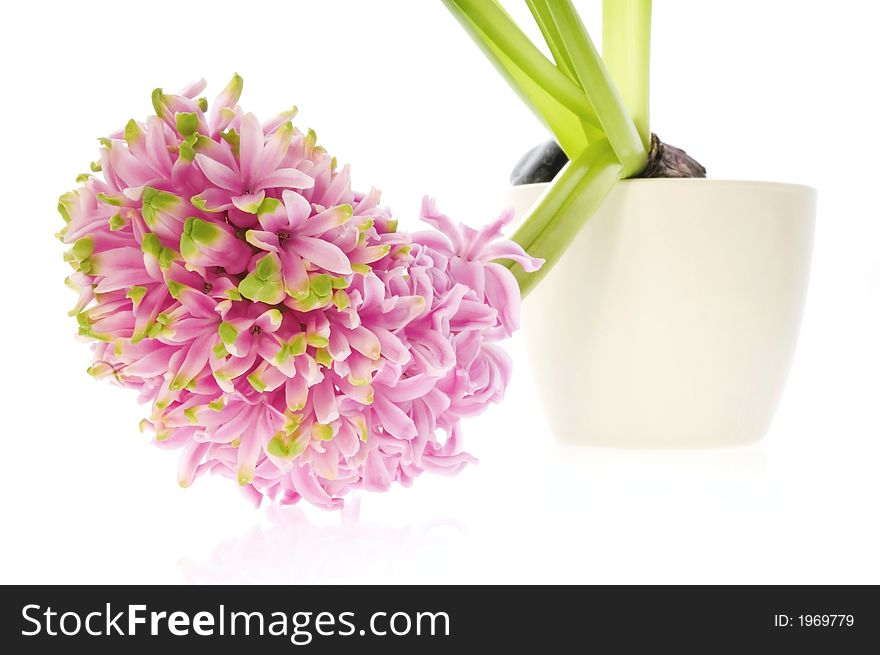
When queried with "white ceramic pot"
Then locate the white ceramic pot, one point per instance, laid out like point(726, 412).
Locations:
point(672, 319)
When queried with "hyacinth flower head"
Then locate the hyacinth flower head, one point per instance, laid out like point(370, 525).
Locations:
point(283, 331)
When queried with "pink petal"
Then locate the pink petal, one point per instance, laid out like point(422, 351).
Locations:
point(502, 293)
point(276, 220)
point(197, 303)
point(324, 401)
point(326, 220)
point(273, 152)
point(393, 419)
point(219, 151)
point(250, 149)
point(193, 89)
point(321, 253)
point(269, 321)
point(195, 360)
point(132, 171)
point(441, 221)
point(376, 476)
point(293, 272)
point(213, 200)
point(295, 393)
point(189, 460)
point(392, 348)
point(308, 487)
point(264, 240)
point(249, 202)
point(511, 250)
point(286, 177)
point(338, 346)
point(249, 449)
point(227, 99)
point(223, 176)
point(364, 341)
point(410, 388)
point(297, 207)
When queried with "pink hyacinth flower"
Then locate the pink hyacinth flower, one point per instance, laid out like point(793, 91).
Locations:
point(284, 333)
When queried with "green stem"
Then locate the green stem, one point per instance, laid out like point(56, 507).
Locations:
point(554, 98)
point(491, 18)
point(578, 100)
point(626, 50)
point(565, 207)
point(597, 84)
point(544, 19)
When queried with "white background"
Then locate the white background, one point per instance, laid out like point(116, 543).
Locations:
point(773, 90)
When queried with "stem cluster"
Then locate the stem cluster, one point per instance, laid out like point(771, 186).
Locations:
point(596, 108)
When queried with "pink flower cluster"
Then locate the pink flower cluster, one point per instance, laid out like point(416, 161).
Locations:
point(285, 333)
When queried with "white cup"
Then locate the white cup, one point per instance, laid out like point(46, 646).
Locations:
point(672, 318)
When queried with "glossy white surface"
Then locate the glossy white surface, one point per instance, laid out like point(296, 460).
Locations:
point(416, 110)
point(671, 320)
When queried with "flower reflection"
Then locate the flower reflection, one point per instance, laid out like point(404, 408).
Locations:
point(294, 549)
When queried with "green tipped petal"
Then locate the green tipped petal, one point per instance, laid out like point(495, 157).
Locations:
point(136, 294)
point(362, 269)
point(117, 222)
point(228, 333)
point(166, 258)
point(174, 288)
point(202, 232)
point(322, 356)
point(292, 421)
point(233, 138)
point(83, 248)
point(110, 199)
point(268, 206)
point(132, 133)
point(158, 99)
point(197, 232)
point(186, 149)
point(155, 201)
point(151, 245)
point(321, 285)
point(317, 341)
point(258, 290)
point(232, 91)
point(66, 203)
point(256, 381)
point(283, 354)
point(341, 300)
point(361, 425)
point(192, 414)
point(275, 317)
point(322, 432)
point(297, 345)
point(283, 447)
point(311, 139)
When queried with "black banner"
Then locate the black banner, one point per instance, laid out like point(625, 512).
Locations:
point(327, 619)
